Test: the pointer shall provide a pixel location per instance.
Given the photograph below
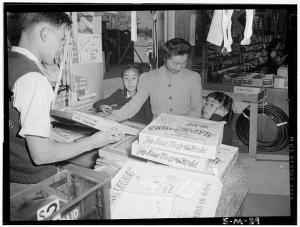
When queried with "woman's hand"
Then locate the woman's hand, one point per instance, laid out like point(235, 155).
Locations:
point(105, 109)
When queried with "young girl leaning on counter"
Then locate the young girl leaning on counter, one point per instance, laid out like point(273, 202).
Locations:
point(218, 107)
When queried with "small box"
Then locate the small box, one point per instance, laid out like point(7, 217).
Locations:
point(64, 196)
point(282, 71)
point(281, 82)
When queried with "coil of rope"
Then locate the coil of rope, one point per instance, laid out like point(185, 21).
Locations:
point(280, 119)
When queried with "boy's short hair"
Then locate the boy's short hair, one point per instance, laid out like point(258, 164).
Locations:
point(131, 66)
point(174, 47)
point(26, 20)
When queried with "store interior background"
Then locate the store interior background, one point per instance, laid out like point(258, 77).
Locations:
point(269, 180)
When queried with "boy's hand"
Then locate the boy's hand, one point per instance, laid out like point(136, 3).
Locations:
point(101, 139)
point(114, 135)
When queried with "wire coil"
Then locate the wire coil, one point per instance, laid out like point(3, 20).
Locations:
point(280, 119)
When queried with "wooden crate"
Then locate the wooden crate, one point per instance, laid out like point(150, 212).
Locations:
point(64, 196)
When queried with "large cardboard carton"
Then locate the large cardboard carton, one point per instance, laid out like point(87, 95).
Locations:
point(169, 158)
point(224, 162)
point(185, 135)
point(221, 166)
point(146, 190)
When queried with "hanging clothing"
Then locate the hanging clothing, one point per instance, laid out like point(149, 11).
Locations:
point(226, 28)
point(220, 28)
point(248, 27)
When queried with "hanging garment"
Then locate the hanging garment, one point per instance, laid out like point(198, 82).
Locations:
point(226, 28)
point(215, 35)
point(248, 28)
point(220, 28)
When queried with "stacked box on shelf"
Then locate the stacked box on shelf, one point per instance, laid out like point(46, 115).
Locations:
point(61, 100)
point(115, 155)
point(84, 102)
point(82, 87)
point(258, 80)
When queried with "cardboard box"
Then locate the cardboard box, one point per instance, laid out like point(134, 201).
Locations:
point(281, 82)
point(282, 71)
point(185, 135)
point(169, 158)
point(224, 162)
point(92, 121)
point(220, 167)
point(147, 190)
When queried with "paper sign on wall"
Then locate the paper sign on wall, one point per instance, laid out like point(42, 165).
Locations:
point(89, 48)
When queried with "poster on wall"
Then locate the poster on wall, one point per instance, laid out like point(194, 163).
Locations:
point(89, 48)
point(85, 23)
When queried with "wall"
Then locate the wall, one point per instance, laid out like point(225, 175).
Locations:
point(182, 23)
point(93, 72)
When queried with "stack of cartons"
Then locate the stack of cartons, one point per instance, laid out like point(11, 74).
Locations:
point(188, 143)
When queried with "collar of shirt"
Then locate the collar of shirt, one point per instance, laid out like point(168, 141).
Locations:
point(31, 56)
point(25, 52)
point(128, 95)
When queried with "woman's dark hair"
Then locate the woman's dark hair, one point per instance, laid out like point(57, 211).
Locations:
point(135, 67)
point(226, 102)
point(26, 20)
point(176, 46)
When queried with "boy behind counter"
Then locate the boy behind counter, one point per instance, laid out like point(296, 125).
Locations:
point(32, 152)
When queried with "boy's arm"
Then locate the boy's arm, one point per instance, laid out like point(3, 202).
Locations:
point(44, 151)
point(134, 105)
point(32, 98)
point(196, 97)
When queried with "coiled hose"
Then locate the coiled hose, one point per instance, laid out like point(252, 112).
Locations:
point(280, 119)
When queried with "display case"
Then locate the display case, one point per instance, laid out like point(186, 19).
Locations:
point(64, 196)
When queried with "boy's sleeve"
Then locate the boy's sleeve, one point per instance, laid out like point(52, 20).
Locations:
point(32, 98)
point(196, 96)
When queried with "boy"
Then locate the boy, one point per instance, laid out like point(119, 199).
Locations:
point(31, 150)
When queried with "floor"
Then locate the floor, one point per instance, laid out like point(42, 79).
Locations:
point(269, 180)
point(269, 183)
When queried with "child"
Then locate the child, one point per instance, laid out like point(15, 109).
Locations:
point(130, 76)
point(218, 107)
point(32, 152)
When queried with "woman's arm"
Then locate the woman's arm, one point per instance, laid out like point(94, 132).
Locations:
point(196, 97)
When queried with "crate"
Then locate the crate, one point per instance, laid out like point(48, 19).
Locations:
point(64, 196)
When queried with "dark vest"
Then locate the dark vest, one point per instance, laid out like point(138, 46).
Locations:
point(22, 168)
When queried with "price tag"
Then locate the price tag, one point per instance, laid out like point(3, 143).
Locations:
point(48, 210)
